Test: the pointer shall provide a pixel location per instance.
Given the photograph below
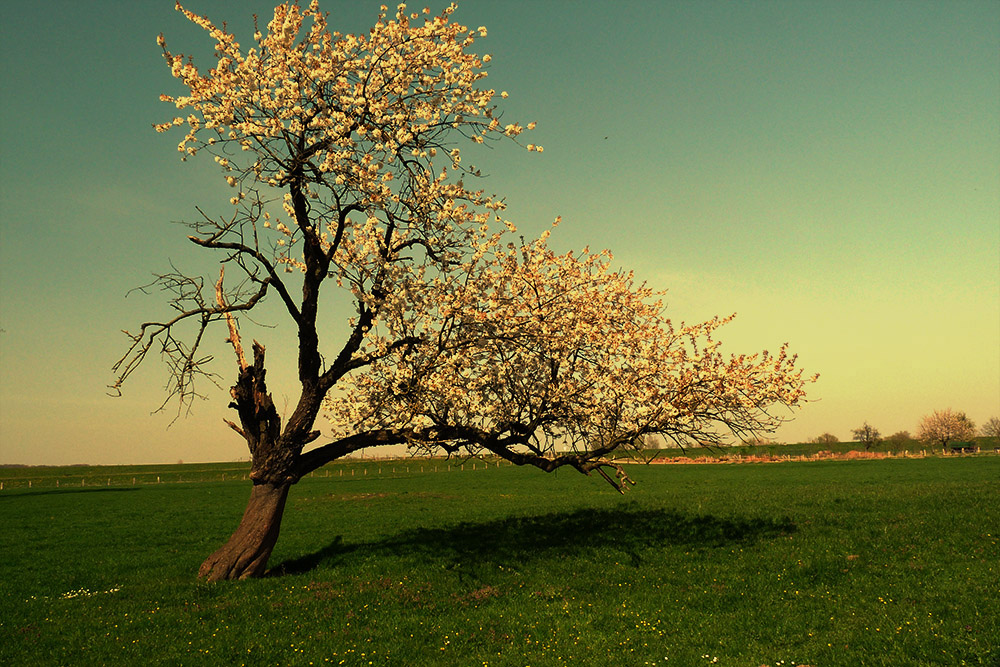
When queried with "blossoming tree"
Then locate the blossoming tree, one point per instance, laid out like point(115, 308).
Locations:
point(344, 155)
point(942, 427)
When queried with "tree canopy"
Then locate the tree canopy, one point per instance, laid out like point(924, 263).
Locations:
point(344, 154)
point(946, 426)
point(867, 434)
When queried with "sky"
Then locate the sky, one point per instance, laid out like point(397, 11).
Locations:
point(829, 171)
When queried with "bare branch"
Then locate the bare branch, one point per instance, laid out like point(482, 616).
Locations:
point(182, 358)
point(236, 428)
point(234, 334)
point(272, 274)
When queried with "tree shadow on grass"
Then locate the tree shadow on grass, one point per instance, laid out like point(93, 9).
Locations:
point(630, 530)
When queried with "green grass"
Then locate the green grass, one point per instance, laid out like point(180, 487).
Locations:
point(886, 562)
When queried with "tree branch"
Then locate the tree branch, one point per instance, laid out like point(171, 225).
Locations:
point(234, 335)
point(181, 358)
point(272, 275)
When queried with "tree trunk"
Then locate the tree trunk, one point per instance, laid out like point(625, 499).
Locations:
point(246, 553)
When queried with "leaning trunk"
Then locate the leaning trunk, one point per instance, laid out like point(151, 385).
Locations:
point(246, 553)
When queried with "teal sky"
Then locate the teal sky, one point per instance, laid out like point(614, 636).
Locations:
point(828, 170)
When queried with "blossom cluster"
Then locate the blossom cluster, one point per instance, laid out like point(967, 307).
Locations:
point(562, 350)
point(356, 121)
point(944, 426)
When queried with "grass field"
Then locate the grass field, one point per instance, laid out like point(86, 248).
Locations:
point(882, 562)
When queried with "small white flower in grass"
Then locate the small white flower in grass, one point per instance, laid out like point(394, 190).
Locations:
point(86, 593)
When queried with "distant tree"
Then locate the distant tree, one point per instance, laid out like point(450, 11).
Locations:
point(868, 435)
point(942, 427)
point(899, 438)
point(991, 429)
point(343, 155)
point(826, 439)
point(652, 441)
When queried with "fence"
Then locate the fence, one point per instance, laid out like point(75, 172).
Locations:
point(61, 478)
point(96, 477)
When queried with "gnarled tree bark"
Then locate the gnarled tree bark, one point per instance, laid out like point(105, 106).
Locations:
point(247, 551)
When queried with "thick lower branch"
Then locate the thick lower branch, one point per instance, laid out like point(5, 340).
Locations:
point(317, 458)
point(452, 438)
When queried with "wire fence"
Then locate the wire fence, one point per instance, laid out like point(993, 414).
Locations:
point(95, 477)
point(62, 478)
